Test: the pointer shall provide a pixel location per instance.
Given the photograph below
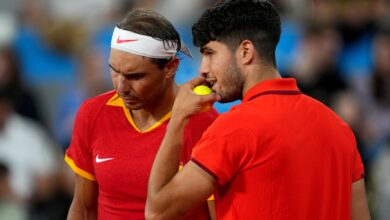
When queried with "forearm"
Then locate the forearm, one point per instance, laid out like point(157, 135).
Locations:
point(172, 194)
point(76, 212)
point(165, 166)
point(85, 200)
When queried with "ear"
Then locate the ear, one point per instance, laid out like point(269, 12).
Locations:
point(171, 67)
point(246, 52)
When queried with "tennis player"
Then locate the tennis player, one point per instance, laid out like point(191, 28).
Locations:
point(117, 134)
point(278, 155)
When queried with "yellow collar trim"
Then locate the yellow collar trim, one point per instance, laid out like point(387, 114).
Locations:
point(117, 101)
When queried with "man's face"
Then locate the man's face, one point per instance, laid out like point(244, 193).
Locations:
point(221, 71)
point(138, 81)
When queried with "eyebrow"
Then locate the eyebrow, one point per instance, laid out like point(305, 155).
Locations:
point(113, 68)
point(205, 48)
point(134, 74)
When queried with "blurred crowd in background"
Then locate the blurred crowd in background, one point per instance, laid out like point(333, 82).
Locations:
point(53, 55)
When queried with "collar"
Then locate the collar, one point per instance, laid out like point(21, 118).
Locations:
point(280, 86)
point(118, 102)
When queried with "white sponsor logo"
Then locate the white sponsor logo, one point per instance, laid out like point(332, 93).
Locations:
point(99, 160)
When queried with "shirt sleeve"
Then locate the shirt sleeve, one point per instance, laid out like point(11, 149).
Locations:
point(358, 168)
point(357, 164)
point(79, 156)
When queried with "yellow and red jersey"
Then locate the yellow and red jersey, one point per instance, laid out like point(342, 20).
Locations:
point(107, 147)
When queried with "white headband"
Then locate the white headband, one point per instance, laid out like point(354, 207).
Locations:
point(142, 45)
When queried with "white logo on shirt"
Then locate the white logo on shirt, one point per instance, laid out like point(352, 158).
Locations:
point(99, 160)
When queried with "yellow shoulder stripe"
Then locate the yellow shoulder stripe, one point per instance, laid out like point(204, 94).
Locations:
point(77, 170)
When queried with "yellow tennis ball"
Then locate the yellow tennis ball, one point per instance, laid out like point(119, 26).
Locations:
point(202, 90)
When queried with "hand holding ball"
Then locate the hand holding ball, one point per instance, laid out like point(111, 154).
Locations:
point(203, 90)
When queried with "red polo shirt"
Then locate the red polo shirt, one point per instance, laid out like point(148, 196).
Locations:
point(280, 155)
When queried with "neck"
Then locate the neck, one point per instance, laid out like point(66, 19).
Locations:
point(257, 74)
point(146, 117)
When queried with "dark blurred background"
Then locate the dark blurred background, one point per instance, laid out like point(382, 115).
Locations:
point(53, 55)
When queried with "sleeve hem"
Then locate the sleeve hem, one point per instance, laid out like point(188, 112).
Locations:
point(205, 168)
point(77, 170)
point(358, 178)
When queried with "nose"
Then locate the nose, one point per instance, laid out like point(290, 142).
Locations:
point(122, 85)
point(204, 67)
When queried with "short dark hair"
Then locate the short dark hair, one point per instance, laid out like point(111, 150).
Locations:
point(151, 23)
point(232, 21)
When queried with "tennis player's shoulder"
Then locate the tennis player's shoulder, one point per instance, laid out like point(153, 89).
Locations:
point(95, 104)
point(231, 118)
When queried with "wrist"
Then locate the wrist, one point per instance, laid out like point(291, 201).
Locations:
point(178, 121)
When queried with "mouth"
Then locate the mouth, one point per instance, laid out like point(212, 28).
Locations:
point(211, 83)
point(129, 99)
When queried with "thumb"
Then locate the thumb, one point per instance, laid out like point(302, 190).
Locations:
point(211, 98)
point(194, 82)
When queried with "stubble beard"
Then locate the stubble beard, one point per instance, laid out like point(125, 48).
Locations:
point(234, 84)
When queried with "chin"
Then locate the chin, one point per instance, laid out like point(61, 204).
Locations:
point(228, 99)
point(134, 107)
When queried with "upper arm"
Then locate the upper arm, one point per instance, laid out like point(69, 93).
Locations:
point(191, 186)
point(84, 204)
point(359, 207)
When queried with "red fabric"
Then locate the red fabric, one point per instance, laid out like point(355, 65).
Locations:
point(104, 131)
point(280, 155)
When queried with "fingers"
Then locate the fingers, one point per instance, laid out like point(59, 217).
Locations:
point(210, 98)
point(194, 82)
point(188, 103)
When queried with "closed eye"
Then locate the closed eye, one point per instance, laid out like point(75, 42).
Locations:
point(134, 76)
point(128, 76)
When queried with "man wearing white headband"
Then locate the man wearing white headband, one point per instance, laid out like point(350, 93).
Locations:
point(117, 134)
